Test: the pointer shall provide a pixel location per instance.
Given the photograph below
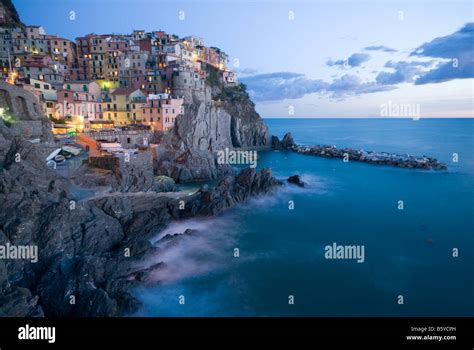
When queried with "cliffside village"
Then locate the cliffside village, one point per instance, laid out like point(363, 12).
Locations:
point(108, 81)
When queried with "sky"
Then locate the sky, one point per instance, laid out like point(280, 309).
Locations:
point(308, 59)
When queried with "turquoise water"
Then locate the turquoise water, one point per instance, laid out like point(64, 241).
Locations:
point(407, 252)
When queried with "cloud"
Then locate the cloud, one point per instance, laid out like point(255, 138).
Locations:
point(458, 48)
point(405, 72)
point(288, 85)
point(355, 60)
point(246, 71)
point(352, 85)
point(281, 85)
point(379, 48)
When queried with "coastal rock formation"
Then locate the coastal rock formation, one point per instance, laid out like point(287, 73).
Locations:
point(295, 180)
point(91, 252)
point(219, 117)
point(349, 154)
point(163, 184)
point(131, 174)
point(285, 143)
point(379, 158)
point(10, 19)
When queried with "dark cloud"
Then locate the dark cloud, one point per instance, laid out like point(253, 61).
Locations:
point(355, 60)
point(405, 72)
point(379, 48)
point(281, 85)
point(458, 48)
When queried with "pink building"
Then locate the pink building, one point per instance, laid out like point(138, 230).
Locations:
point(159, 111)
point(78, 108)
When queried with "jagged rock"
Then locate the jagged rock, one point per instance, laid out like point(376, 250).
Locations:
point(133, 174)
point(19, 302)
point(296, 180)
point(188, 151)
point(276, 143)
point(164, 184)
point(287, 140)
point(88, 251)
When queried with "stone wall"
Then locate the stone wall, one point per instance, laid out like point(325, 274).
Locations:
point(128, 139)
point(133, 174)
point(19, 102)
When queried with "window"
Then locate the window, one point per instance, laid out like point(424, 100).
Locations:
point(66, 94)
point(37, 86)
point(46, 87)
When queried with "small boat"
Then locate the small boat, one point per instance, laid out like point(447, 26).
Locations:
point(59, 158)
point(53, 154)
point(72, 150)
point(66, 154)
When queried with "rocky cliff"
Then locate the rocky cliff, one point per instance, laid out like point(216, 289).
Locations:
point(93, 251)
point(214, 119)
point(10, 15)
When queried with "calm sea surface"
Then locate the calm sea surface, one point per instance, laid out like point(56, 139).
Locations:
point(407, 252)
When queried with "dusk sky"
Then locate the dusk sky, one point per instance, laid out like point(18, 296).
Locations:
point(324, 58)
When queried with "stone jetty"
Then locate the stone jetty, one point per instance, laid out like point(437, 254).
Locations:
point(349, 154)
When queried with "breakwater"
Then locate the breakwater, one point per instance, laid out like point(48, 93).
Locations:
point(360, 155)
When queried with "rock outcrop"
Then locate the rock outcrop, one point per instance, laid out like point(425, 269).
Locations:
point(219, 117)
point(164, 184)
point(295, 180)
point(91, 253)
point(285, 143)
point(127, 174)
point(10, 19)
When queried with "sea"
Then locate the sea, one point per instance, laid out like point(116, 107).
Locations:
point(267, 256)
